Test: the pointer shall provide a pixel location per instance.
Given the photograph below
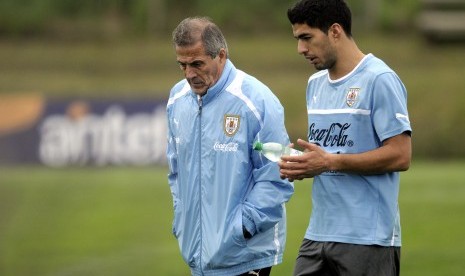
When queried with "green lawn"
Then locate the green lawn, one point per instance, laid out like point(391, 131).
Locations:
point(117, 221)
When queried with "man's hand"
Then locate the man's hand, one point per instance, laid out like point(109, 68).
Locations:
point(394, 155)
point(313, 162)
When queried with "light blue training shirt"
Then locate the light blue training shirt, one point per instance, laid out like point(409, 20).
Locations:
point(355, 114)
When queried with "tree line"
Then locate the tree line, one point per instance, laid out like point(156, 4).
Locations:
point(146, 17)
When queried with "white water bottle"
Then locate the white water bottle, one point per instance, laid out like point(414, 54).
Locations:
point(273, 151)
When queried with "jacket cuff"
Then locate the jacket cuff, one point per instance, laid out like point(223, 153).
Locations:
point(248, 225)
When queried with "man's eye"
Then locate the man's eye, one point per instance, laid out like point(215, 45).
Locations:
point(304, 38)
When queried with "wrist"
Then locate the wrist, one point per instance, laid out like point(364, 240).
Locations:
point(331, 161)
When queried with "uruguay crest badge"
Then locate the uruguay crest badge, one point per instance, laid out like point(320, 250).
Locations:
point(352, 96)
point(231, 124)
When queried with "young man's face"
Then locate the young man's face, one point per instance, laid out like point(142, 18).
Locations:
point(201, 70)
point(315, 46)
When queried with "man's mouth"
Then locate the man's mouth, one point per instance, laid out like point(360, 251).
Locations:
point(197, 84)
point(312, 59)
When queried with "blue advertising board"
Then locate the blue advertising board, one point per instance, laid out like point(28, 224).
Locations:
point(82, 132)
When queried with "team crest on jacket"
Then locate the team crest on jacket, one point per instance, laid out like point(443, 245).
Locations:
point(352, 96)
point(231, 124)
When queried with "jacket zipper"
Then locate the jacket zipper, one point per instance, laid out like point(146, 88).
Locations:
point(199, 100)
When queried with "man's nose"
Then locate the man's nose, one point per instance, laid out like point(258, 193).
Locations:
point(190, 72)
point(301, 47)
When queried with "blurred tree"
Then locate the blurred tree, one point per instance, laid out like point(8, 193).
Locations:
point(24, 16)
point(372, 13)
point(146, 17)
point(157, 14)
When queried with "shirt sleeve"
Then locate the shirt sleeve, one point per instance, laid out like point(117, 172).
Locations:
point(390, 115)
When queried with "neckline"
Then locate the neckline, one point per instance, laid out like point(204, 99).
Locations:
point(351, 72)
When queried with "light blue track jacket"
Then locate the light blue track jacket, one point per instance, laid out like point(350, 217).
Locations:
point(219, 183)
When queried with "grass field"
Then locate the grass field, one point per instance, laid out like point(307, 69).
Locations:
point(117, 221)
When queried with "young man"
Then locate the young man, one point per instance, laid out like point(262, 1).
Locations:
point(229, 213)
point(358, 141)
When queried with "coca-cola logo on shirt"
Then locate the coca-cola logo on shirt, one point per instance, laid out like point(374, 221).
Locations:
point(334, 135)
point(226, 147)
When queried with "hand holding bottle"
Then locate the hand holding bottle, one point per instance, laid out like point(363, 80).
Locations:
point(273, 151)
point(316, 161)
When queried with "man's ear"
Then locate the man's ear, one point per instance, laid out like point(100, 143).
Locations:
point(335, 31)
point(222, 54)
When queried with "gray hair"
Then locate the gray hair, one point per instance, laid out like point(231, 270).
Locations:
point(194, 29)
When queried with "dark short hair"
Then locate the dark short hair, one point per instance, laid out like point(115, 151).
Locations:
point(193, 29)
point(321, 14)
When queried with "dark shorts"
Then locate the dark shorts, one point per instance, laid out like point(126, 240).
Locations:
point(261, 272)
point(332, 258)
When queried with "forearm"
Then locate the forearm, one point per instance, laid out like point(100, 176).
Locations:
point(393, 155)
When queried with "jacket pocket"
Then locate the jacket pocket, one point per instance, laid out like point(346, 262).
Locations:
point(232, 246)
point(176, 228)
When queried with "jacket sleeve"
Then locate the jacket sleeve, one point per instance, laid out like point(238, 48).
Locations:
point(172, 164)
point(264, 205)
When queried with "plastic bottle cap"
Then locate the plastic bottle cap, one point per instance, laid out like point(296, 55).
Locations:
point(257, 146)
